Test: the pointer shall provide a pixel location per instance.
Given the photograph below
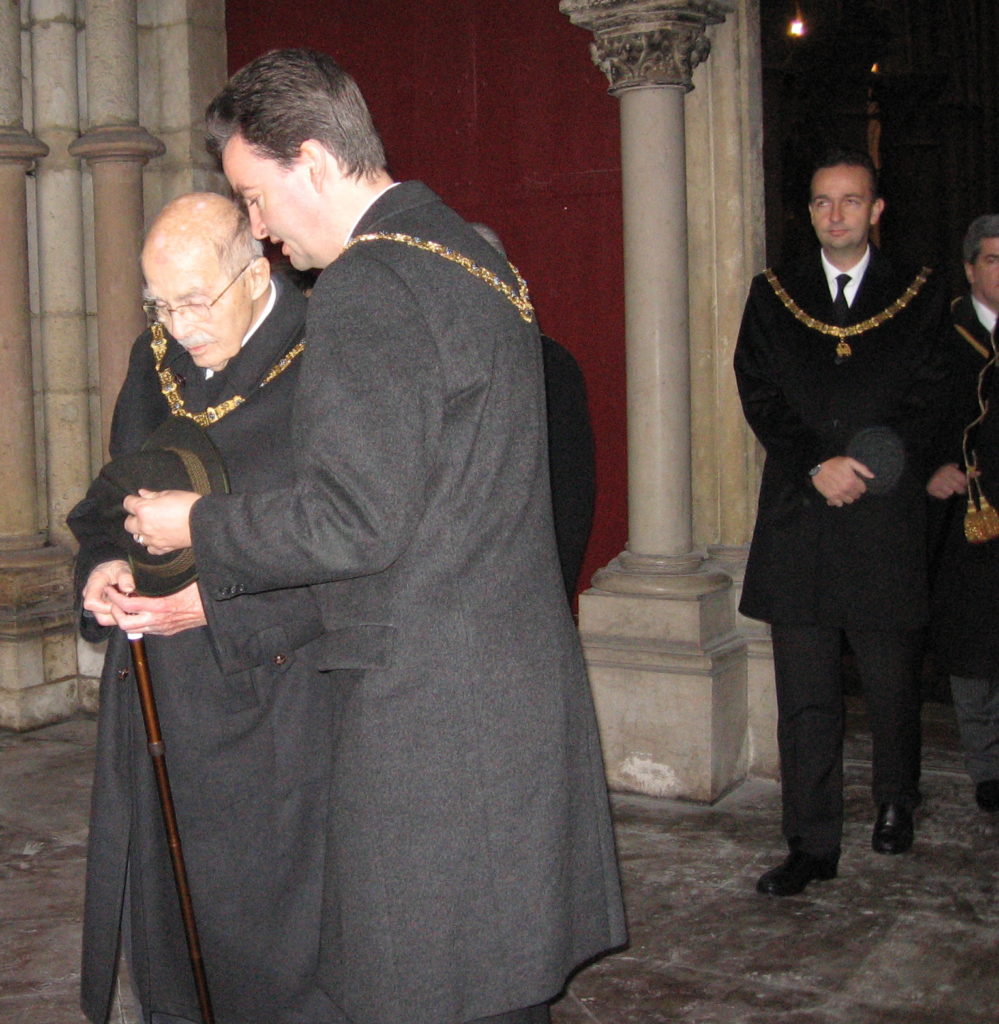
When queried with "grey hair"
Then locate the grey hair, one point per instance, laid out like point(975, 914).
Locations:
point(238, 247)
point(986, 226)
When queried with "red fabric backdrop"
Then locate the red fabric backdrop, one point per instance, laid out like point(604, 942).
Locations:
point(496, 106)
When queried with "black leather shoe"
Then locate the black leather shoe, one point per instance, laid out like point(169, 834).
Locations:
point(798, 869)
point(987, 795)
point(892, 829)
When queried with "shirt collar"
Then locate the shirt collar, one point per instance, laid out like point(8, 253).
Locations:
point(856, 273)
point(986, 316)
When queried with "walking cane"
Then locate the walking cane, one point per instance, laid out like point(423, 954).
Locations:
point(157, 751)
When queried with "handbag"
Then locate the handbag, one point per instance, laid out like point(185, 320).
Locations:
point(981, 520)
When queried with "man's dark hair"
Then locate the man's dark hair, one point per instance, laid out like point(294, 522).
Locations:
point(986, 226)
point(285, 97)
point(848, 158)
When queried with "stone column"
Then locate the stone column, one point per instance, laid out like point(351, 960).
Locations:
point(37, 673)
point(182, 65)
point(61, 261)
point(667, 668)
point(724, 117)
point(116, 149)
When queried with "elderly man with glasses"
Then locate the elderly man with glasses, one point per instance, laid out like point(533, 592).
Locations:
point(246, 721)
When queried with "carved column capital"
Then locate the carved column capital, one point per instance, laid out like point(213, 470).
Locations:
point(647, 42)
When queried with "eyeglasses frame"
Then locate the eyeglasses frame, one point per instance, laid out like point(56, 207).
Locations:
point(154, 311)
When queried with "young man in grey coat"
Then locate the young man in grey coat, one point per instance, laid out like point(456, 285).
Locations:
point(470, 859)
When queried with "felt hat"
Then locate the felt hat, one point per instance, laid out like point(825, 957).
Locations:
point(882, 451)
point(180, 456)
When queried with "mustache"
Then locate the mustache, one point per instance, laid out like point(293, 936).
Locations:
point(193, 340)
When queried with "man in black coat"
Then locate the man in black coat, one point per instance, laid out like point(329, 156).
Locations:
point(469, 856)
point(246, 728)
point(966, 581)
point(838, 369)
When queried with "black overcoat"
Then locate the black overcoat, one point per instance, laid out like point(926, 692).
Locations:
point(965, 590)
point(470, 863)
point(248, 748)
point(862, 565)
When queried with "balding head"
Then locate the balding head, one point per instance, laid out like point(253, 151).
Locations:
point(206, 275)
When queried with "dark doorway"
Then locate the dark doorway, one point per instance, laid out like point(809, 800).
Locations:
point(912, 82)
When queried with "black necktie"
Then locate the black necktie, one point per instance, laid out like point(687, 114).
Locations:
point(841, 308)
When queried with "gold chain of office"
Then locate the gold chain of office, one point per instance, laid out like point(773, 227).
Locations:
point(171, 389)
point(843, 349)
point(519, 298)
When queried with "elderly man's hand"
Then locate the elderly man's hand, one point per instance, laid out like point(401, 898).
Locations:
point(106, 582)
point(109, 594)
point(840, 480)
point(159, 520)
point(159, 616)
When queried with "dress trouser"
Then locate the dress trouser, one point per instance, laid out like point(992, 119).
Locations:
point(976, 706)
point(808, 669)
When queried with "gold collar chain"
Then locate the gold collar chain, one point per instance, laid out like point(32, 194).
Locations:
point(519, 298)
point(843, 349)
point(171, 389)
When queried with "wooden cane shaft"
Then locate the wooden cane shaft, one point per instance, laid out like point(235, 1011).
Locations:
point(157, 751)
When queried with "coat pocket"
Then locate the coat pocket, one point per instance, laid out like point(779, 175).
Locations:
point(369, 645)
point(271, 653)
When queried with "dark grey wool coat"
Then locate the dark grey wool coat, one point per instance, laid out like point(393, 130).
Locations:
point(247, 740)
point(470, 862)
point(862, 565)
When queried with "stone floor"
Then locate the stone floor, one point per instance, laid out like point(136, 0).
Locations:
point(894, 940)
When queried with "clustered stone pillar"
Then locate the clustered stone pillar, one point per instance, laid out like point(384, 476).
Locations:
point(116, 149)
point(667, 668)
point(61, 262)
point(146, 61)
point(37, 668)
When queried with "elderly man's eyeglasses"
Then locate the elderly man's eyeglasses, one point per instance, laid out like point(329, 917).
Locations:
point(157, 312)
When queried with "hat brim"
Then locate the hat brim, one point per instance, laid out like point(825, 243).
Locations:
point(178, 455)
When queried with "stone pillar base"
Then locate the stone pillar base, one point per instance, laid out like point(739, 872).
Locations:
point(764, 760)
point(669, 680)
point(38, 681)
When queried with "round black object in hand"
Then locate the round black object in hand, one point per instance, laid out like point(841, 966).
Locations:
point(178, 455)
point(881, 450)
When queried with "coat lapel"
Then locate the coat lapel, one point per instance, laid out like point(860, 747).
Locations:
point(805, 281)
point(878, 289)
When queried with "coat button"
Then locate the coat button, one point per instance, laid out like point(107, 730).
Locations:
point(280, 659)
point(123, 673)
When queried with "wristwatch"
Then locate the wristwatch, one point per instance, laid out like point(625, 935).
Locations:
point(815, 469)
